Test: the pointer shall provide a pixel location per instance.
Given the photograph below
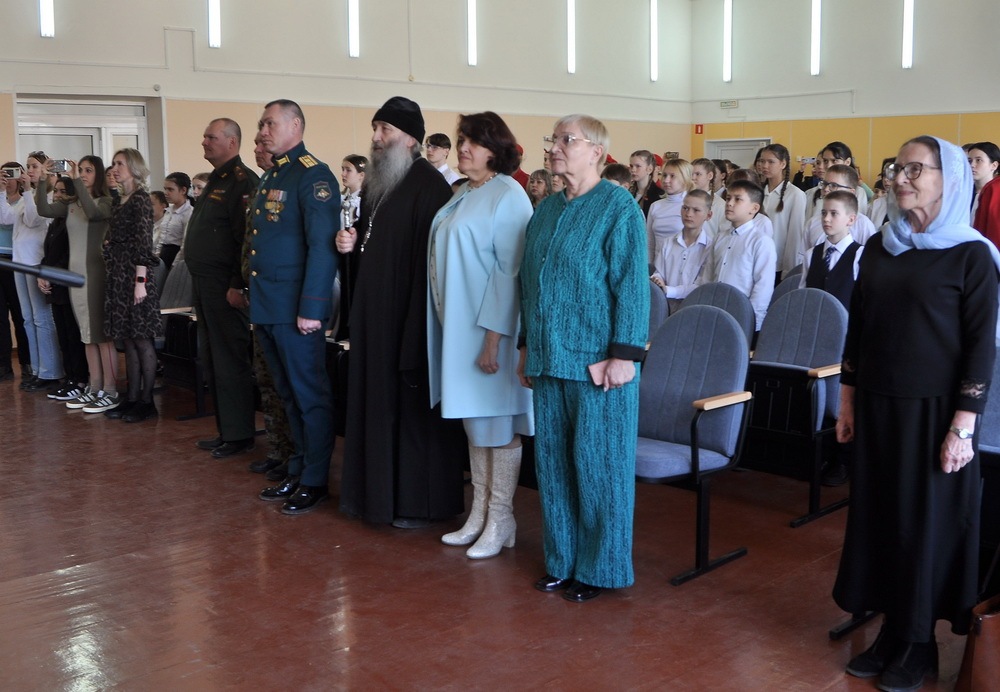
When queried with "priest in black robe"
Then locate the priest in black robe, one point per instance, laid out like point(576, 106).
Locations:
point(402, 462)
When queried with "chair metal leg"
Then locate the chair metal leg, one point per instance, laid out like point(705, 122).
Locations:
point(702, 563)
point(856, 621)
point(822, 512)
point(199, 396)
point(815, 488)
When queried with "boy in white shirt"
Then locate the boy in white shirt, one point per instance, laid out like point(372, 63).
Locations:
point(832, 265)
point(679, 265)
point(744, 257)
point(844, 179)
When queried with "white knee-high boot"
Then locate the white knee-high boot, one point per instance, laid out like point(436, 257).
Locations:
point(500, 524)
point(479, 463)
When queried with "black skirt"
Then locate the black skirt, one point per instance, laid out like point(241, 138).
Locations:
point(911, 548)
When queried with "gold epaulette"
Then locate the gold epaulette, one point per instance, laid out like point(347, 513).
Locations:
point(307, 160)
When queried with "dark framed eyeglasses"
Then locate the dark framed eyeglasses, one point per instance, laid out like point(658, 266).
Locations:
point(830, 185)
point(911, 170)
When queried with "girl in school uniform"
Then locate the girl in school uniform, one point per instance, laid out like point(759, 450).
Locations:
point(641, 165)
point(664, 216)
point(784, 204)
point(706, 176)
point(984, 158)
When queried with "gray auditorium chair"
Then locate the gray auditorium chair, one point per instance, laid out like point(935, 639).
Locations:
point(178, 347)
point(657, 309)
point(786, 285)
point(693, 412)
point(989, 460)
point(730, 299)
point(795, 380)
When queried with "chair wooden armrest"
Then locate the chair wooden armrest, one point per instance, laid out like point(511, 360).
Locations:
point(825, 371)
point(344, 344)
point(720, 400)
point(176, 311)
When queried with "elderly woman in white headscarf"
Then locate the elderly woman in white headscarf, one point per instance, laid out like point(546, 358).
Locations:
point(917, 367)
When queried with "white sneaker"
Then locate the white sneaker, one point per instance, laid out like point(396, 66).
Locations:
point(86, 398)
point(103, 402)
point(67, 393)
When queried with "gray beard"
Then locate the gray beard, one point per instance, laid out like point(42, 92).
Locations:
point(389, 166)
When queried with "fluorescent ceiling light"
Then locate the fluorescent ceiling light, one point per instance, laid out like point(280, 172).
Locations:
point(571, 36)
point(907, 34)
point(214, 23)
point(47, 18)
point(353, 29)
point(727, 40)
point(654, 41)
point(471, 31)
point(817, 21)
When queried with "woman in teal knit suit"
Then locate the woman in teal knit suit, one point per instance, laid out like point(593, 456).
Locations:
point(584, 302)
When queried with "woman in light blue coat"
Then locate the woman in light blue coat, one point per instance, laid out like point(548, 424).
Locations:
point(475, 249)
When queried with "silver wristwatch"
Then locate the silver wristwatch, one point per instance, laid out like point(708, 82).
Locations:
point(962, 433)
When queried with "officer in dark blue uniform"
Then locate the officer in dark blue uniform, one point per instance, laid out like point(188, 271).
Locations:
point(294, 219)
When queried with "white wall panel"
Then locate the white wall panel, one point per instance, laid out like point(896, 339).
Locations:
point(956, 53)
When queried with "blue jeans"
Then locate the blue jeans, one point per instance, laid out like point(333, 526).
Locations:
point(40, 327)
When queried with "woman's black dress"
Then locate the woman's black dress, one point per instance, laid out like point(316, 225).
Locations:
point(130, 244)
point(920, 345)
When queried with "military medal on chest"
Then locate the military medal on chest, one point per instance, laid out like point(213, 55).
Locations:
point(275, 204)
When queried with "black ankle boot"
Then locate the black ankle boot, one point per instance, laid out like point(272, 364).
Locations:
point(909, 667)
point(873, 660)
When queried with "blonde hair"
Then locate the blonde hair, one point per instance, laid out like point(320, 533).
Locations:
point(136, 166)
point(685, 169)
point(592, 129)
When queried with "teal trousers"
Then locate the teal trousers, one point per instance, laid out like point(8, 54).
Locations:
point(585, 440)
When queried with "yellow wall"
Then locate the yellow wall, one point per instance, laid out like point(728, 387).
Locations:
point(8, 141)
point(871, 139)
point(333, 132)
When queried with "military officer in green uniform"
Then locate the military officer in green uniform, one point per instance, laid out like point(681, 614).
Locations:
point(294, 218)
point(212, 249)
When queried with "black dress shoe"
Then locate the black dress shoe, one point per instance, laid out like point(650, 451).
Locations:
point(264, 465)
point(579, 592)
point(228, 449)
point(909, 667)
point(277, 473)
point(26, 381)
point(6, 373)
point(282, 491)
point(209, 444)
point(305, 499)
point(40, 385)
point(873, 660)
point(121, 410)
point(548, 583)
point(143, 410)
